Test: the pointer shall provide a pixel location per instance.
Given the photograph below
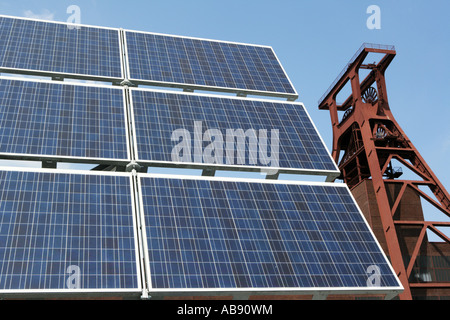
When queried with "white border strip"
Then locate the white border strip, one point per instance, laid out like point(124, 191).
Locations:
point(126, 122)
point(56, 22)
point(238, 168)
point(285, 73)
point(149, 284)
point(65, 171)
point(127, 30)
point(374, 237)
point(70, 159)
point(68, 291)
point(64, 75)
point(280, 291)
point(268, 94)
point(196, 38)
point(323, 142)
point(242, 180)
point(221, 96)
point(136, 224)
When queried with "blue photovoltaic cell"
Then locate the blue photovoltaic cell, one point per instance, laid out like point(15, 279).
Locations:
point(216, 234)
point(52, 224)
point(159, 115)
point(171, 59)
point(38, 118)
point(56, 47)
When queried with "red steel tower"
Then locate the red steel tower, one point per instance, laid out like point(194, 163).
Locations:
point(366, 141)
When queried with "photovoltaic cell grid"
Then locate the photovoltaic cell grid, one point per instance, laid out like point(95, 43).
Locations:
point(218, 234)
point(170, 59)
point(158, 115)
point(52, 221)
point(54, 47)
point(38, 118)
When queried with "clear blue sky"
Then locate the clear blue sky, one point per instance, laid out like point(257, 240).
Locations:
point(314, 40)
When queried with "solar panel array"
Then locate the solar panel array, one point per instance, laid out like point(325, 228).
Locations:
point(31, 46)
point(227, 234)
point(78, 232)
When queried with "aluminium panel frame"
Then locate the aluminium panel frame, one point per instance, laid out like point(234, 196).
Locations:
point(329, 174)
point(85, 293)
point(192, 87)
point(239, 293)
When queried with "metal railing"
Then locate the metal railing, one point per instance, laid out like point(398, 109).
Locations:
point(364, 46)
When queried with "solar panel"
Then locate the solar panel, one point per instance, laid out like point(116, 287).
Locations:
point(61, 120)
point(159, 117)
point(211, 234)
point(66, 232)
point(206, 64)
point(49, 47)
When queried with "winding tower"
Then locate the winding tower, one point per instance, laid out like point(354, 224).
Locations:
point(367, 143)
